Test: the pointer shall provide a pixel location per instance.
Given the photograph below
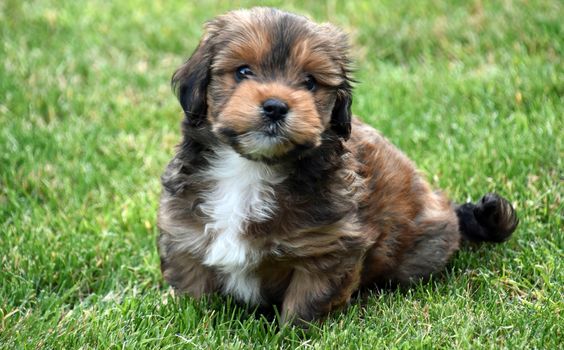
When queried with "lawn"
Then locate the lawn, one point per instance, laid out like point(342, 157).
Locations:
point(471, 90)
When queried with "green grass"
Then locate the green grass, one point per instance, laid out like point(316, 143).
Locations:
point(471, 90)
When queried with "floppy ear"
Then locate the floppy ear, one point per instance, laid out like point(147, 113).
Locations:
point(190, 82)
point(341, 115)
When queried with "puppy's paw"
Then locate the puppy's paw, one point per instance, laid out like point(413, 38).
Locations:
point(497, 216)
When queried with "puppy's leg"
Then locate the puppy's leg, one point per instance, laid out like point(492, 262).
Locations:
point(437, 239)
point(313, 294)
point(440, 228)
point(187, 275)
point(415, 250)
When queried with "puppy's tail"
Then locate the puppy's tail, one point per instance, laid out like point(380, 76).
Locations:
point(491, 219)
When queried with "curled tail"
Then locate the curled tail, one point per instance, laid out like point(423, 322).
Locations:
point(491, 219)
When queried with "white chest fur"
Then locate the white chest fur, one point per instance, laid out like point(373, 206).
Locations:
point(242, 193)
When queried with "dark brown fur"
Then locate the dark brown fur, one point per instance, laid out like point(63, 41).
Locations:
point(352, 210)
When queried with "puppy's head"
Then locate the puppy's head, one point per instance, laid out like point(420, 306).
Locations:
point(268, 83)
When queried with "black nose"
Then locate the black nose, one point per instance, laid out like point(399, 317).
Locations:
point(274, 109)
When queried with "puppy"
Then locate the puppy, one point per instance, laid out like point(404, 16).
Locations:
point(277, 195)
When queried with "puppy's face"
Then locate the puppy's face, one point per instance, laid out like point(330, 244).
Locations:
point(268, 83)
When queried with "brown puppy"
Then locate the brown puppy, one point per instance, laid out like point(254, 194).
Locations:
point(278, 196)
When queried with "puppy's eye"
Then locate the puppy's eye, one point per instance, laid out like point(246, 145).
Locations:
point(243, 72)
point(310, 83)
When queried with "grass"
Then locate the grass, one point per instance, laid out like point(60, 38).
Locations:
point(471, 90)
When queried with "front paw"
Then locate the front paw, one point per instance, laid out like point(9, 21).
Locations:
point(303, 313)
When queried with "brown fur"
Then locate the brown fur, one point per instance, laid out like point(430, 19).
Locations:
point(352, 211)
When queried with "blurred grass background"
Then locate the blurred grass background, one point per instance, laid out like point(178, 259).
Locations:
point(471, 90)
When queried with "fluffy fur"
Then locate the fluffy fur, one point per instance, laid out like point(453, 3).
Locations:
point(297, 205)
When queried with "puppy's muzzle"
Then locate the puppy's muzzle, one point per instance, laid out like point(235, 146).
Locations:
point(274, 110)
